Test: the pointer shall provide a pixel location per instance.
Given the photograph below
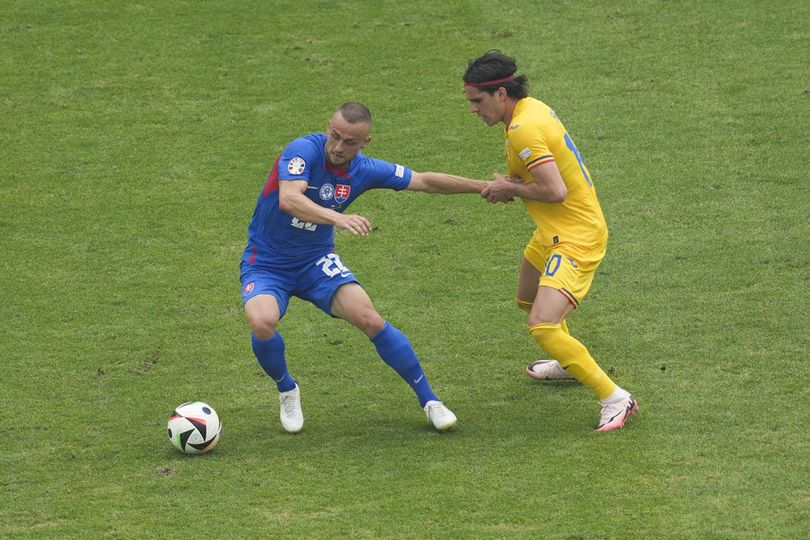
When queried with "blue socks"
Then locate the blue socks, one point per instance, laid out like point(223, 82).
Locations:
point(391, 344)
point(396, 351)
point(270, 354)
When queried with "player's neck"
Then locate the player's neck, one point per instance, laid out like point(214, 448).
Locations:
point(341, 168)
point(337, 169)
point(509, 111)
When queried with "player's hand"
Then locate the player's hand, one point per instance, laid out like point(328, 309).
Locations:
point(357, 225)
point(499, 190)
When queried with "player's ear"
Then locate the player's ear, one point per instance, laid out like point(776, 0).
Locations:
point(365, 143)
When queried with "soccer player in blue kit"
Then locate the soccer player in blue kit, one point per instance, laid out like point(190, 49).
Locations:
point(290, 251)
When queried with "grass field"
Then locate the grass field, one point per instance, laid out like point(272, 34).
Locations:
point(135, 139)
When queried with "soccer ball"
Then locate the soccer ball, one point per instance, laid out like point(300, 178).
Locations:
point(194, 427)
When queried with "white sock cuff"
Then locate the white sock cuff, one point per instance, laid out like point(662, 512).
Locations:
point(617, 395)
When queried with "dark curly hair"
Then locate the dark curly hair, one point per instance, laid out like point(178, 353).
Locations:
point(492, 66)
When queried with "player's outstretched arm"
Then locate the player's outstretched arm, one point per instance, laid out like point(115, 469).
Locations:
point(547, 186)
point(293, 201)
point(445, 184)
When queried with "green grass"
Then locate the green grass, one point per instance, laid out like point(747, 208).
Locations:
point(136, 137)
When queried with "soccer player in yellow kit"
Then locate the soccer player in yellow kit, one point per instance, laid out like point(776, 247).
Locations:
point(546, 171)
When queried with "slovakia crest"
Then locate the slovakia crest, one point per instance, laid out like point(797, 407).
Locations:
point(342, 192)
point(326, 192)
point(248, 288)
point(296, 165)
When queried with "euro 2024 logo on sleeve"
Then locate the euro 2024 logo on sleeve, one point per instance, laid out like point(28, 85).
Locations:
point(342, 192)
point(296, 165)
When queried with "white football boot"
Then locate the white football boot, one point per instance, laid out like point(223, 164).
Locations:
point(441, 417)
point(292, 418)
point(547, 370)
point(615, 414)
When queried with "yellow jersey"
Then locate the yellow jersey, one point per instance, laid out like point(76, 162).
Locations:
point(536, 136)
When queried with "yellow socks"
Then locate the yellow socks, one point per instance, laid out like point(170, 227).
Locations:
point(573, 357)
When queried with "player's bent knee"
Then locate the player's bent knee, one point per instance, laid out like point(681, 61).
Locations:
point(369, 322)
point(534, 321)
point(263, 332)
point(262, 327)
point(543, 316)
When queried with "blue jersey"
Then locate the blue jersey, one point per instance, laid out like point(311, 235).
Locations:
point(276, 237)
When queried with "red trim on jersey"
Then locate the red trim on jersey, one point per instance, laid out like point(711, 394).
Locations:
point(272, 181)
point(252, 258)
point(340, 172)
point(533, 165)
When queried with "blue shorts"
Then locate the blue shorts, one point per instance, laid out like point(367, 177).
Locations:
point(315, 281)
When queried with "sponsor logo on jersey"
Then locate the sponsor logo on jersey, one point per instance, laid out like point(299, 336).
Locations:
point(399, 172)
point(248, 288)
point(296, 165)
point(525, 153)
point(326, 192)
point(514, 126)
point(342, 192)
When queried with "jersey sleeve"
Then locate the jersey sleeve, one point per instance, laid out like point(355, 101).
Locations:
point(529, 143)
point(382, 174)
point(297, 160)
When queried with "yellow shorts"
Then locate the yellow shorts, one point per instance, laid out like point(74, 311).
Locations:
point(569, 269)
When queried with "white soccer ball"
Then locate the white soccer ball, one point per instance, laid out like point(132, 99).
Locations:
point(194, 427)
